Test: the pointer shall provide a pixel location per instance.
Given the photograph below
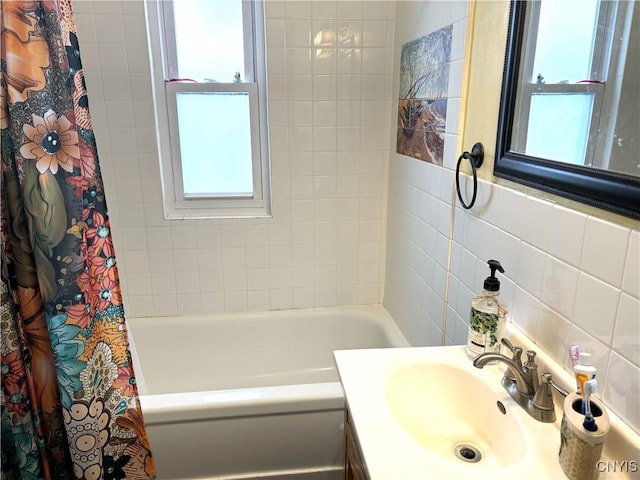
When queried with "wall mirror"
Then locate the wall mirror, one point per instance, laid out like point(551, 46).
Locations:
point(569, 121)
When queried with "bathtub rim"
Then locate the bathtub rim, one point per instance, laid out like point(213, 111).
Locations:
point(241, 402)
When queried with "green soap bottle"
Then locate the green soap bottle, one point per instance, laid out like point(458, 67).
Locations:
point(487, 317)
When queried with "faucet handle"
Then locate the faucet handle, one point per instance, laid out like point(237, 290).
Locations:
point(505, 341)
point(543, 400)
point(516, 357)
point(530, 368)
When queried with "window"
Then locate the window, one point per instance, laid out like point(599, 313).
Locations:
point(209, 82)
point(564, 73)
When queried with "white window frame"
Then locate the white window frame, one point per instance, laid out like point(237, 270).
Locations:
point(600, 59)
point(165, 88)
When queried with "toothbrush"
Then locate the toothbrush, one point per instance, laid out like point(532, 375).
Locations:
point(590, 387)
point(574, 356)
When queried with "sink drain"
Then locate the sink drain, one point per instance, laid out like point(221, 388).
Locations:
point(467, 453)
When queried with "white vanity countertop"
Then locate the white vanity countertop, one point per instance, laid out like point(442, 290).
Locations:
point(390, 453)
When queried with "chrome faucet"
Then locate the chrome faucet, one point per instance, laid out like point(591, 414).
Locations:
point(522, 382)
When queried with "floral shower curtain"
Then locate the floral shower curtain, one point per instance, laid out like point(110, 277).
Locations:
point(69, 402)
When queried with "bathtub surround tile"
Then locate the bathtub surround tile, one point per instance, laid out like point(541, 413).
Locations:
point(185, 260)
point(235, 301)
point(212, 281)
point(139, 305)
point(165, 305)
point(160, 261)
point(235, 280)
point(187, 282)
point(139, 283)
point(258, 300)
point(189, 304)
point(258, 279)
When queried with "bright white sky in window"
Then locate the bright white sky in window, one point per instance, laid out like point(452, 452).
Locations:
point(572, 24)
point(209, 39)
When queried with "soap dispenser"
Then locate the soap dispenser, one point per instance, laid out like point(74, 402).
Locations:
point(488, 316)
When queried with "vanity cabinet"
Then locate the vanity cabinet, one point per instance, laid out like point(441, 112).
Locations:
point(354, 466)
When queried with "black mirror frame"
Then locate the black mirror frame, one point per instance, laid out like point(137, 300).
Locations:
point(611, 191)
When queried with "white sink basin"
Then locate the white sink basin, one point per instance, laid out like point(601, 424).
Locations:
point(428, 413)
point(454, 414)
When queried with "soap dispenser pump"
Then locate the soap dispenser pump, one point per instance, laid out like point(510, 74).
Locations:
point(487, 317)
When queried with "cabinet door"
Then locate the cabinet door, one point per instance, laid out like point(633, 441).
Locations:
point(354, 466)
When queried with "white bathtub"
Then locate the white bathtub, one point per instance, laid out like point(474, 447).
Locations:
point(251, 395)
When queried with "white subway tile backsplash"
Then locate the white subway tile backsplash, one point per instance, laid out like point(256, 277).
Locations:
point(631, 277)
point(566, 234)
point(530, 269)
point(559, 286)
point(524, 311)
point(605, 250)
point(553, 333)
point(626, 336)
point(622, 390)
point(595, 307)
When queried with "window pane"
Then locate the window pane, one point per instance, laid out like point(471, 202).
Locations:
point(209, 39)
point(572, 24)
point(215, 143)
point(559, 126)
